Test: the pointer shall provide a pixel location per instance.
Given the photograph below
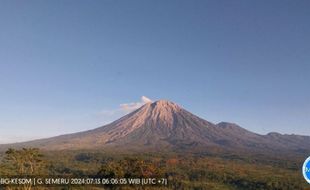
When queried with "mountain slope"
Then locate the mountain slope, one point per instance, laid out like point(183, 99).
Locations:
point(165, 125)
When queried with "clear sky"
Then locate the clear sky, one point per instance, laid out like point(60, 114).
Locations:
point(67, 65)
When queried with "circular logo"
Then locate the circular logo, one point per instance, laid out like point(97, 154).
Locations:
point(306, 169)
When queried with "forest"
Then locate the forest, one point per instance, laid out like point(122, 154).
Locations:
point(182, 171)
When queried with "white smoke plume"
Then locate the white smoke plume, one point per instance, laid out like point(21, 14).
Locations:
point(129, 107)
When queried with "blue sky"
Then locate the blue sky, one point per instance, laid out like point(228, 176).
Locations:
point(66, 66)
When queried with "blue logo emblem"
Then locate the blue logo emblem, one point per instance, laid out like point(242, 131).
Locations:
point(306, 170)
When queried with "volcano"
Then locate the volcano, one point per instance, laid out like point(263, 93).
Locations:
point(164, 125)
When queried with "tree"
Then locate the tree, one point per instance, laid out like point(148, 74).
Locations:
point(23, 162)
point(27, 161)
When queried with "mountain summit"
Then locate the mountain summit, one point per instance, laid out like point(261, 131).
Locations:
point(164, 124)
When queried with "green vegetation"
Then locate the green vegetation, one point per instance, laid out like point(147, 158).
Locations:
point(229, 172)
point(22, 162)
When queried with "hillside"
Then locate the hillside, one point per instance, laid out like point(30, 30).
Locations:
point(164, 125)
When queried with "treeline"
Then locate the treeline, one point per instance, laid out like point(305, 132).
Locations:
point(182, 171)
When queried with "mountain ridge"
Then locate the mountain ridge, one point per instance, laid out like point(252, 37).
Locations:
point(164, 124)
